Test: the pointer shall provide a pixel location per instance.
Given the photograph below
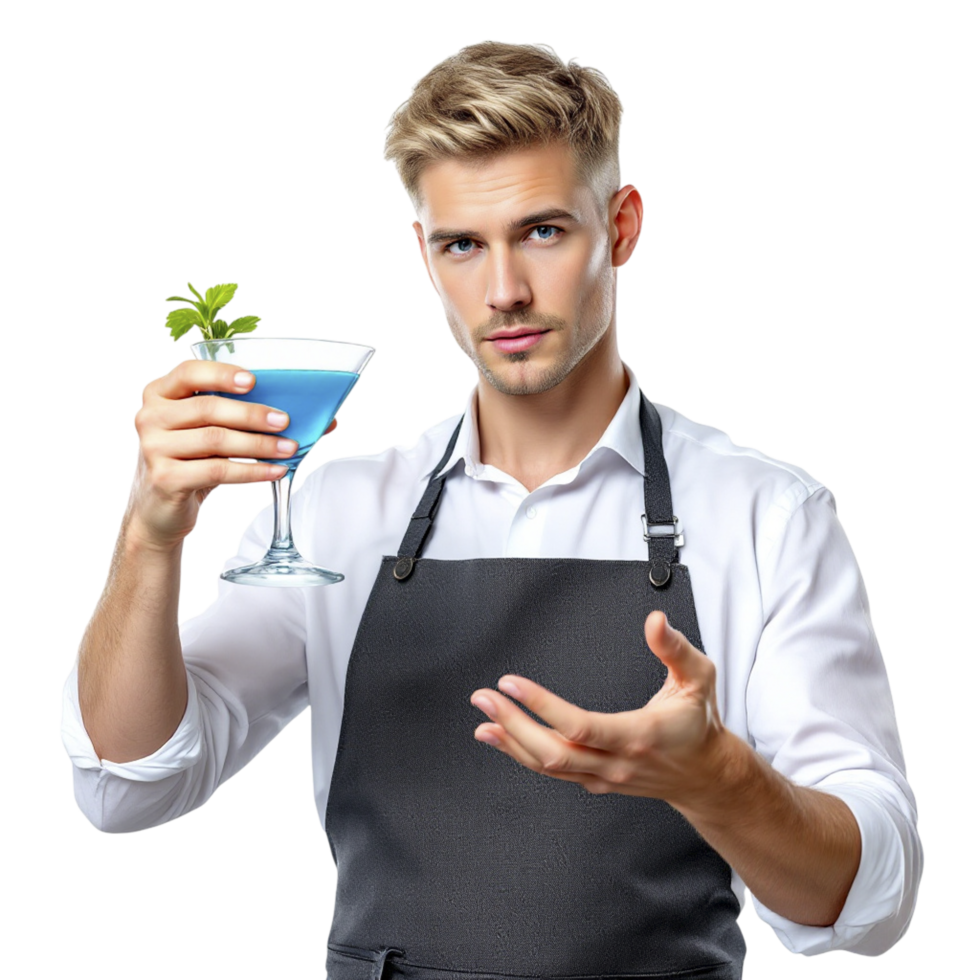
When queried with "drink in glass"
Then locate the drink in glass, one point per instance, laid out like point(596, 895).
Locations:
point(308, 380)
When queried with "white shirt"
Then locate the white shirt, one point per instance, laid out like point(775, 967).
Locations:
point(781, 608)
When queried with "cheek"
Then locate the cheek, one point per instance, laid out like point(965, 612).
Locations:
point(599, 264)
point(574, 276)
point(455, 287)
point(596, 291)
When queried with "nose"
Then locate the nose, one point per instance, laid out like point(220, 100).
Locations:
point(507, 286)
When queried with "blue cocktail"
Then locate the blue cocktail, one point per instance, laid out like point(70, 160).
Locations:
point(309, 398)
point(308, 380)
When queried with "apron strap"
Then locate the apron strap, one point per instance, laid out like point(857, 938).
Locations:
point(422, 520)
point(659, 522)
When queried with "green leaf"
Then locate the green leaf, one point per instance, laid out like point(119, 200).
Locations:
point(218, 296)
point(244, 324)
point(173, 299)
point(195, 292)
point(180, 321)
point(219, 329)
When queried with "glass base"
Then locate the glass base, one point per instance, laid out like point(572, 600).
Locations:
point(285, 568)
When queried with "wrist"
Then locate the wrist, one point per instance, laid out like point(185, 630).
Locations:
point(728, 778)
point(141, 541)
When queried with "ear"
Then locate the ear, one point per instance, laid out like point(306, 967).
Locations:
point(429, 293)
point(625, 222)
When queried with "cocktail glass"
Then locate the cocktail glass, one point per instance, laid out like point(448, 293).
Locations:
point(309, 380)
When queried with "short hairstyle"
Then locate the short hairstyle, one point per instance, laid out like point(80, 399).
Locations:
point(493, 97)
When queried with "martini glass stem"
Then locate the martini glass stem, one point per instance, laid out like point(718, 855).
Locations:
point(283, 537)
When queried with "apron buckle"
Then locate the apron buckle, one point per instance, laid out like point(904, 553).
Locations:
point(658, 531)
point(663, 529)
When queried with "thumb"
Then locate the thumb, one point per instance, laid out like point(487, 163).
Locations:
point(662, 638)
point(658, 627)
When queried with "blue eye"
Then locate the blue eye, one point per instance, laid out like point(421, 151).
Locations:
point(469, 241)
point(465, 246)
point(545, 232)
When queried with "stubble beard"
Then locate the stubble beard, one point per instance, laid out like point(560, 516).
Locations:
point(599, 313)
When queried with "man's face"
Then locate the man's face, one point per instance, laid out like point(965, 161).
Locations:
point(518, 249)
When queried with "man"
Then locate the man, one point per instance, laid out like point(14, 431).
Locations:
point(613, 833)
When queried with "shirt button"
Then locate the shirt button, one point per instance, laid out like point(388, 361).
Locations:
point(531, 513)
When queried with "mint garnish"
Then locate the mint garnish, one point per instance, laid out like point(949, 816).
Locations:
point(201, 314)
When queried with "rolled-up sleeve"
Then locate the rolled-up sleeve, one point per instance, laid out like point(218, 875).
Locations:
point(820, 711)
point(245, 659)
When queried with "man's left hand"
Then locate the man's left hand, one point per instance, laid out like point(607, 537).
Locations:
point(673, 748)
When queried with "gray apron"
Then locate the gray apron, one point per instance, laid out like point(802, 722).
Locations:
point(454, 862)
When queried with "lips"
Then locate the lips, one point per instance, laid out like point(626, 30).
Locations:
point(512, 334)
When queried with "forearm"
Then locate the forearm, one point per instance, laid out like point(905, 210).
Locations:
point(797, 849)
point(132, 685)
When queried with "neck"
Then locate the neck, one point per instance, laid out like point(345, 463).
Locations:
point(535, 437)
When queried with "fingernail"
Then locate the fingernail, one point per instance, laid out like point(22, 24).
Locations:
point(488, 737)
point(485, 705)
point(286, 446)
point(243, 380)
point(277, 419)
point(509, 687)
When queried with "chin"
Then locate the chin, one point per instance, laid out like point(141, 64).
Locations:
point(533, 382)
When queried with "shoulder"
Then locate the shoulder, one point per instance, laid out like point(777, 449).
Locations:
point(745, 484)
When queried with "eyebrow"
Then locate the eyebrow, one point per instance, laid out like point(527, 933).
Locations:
point(538, 218)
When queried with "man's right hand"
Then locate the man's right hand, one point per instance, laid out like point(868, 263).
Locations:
point(186, 440)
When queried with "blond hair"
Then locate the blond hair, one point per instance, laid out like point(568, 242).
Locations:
point(493, 97)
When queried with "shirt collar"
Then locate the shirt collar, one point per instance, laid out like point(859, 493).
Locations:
point(622, 436)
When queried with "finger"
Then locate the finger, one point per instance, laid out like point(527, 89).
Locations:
point(190, 377)
point(200, 410)
point(205, 425)
point(501, 740)
point(498, 737)
point(207, 411)
point(603, 731)
point(211, 440)
point(550, 750)
point(172, 478)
